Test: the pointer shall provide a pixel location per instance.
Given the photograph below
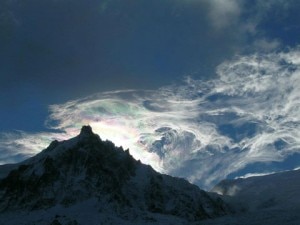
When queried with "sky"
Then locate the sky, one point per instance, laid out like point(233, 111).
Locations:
point(200, 89)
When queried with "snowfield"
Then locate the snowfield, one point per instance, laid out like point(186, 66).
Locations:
point(269, 200)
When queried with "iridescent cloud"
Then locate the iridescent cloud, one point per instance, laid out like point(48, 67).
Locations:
point(200, 130)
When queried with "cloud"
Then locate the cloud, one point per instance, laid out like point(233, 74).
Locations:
point(266, 45)
point(200, 130)
point(254, 175)
point(17, 146)
point(257, 25)
point(258, 14)
point(224, 13)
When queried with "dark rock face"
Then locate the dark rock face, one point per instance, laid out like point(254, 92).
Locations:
point(85, 167)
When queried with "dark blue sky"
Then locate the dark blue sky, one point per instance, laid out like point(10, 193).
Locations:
point(54, 51)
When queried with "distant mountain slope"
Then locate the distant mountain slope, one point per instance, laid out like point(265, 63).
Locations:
point(85, 180)
point(270, 191)
point(271, 199)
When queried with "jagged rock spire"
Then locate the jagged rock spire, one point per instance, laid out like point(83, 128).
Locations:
point(73, 172)
point(86, 130)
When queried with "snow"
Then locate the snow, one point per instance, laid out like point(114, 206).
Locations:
point(270, 200)
point(260, 217)
point(86, 213)
point(275, 190)
point(86, 181)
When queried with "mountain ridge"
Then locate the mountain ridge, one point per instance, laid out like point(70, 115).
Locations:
point(86, 169)
point(270, 199)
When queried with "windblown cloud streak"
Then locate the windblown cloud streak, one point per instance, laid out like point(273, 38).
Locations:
point(200, 130)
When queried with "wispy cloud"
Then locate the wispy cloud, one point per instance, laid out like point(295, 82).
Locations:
point(249, 21)
point(266, 45)
point(255, 175)
point(201, 130)
point(224, 13)
point(19, 145)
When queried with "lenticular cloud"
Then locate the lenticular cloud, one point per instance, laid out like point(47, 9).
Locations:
point(200, 130)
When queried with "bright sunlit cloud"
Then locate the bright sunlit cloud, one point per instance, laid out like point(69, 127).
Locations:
point(200, 130)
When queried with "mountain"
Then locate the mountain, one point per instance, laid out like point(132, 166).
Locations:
point(270, 200)
point(86, 181)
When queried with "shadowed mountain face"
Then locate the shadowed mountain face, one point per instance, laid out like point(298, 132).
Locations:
point(68, 174)
point(270, 200)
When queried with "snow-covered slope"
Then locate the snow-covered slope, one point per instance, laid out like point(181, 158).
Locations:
point(270, 191)
point(271, 199)
point(85, 180)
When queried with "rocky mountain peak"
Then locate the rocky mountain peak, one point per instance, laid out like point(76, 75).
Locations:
point(86, 131)
point(85, 168)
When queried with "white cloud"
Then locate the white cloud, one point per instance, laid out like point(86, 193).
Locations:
point(254, 175)
point(19, 145)
point(201, 130)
